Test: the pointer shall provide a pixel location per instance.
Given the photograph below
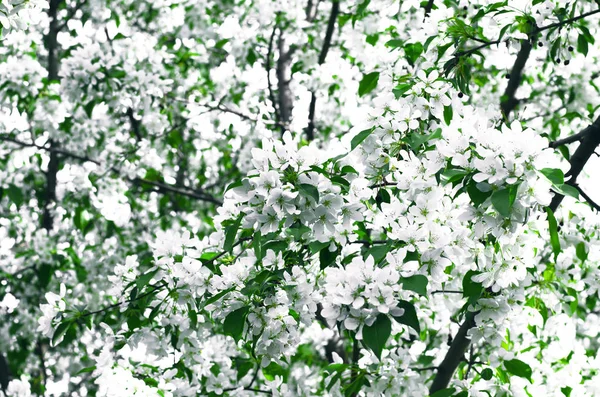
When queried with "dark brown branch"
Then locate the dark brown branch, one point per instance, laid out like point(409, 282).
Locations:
point(534, 33)
point(166, 188)
point(570, 139)
point(51, 149)
point(454, 356)
point(335, 10)
point(118, 304)
point(5, 373)
point(51, 43)
point(269, 66)
point(135, 124)
point(582, 154)
point(587, 198)
point(428, 8)
point(566, 21)
point(283, 83)
point(447, 291)
point(39, 351)
point(333, 344)
point(509, 100)
point(71, 13)
point(160, 187)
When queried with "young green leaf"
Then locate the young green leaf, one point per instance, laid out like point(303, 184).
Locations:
point(361, 136)
point(553, 228)
point(231, 232)
point(310, 191)
point(368, 83)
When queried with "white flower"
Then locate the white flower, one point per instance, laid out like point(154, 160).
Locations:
point(8, 303)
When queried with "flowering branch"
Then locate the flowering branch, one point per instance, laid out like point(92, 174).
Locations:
point(531, 35)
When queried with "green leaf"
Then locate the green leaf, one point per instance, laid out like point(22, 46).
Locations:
point(581, 252)
point(409, 317)
point(361, 136)
point(15, 195)
point(487, 374)
point(394, 43)
point(582, 44)
point(368, 83)
point(554, 175)
point(317, 246)
point(444, 392)
point(234, 323)
point(567, 190)
point(553, 228)
point(257, 245)
point(89, 108)
point(401, 89)
point(539, 305)
point(218, 296)
point(86, 370)
point(518, 368)
point(412, 52)
point(309, 190)
point(477, 196)
point(326, 257)
point(231, 232)
point(448, 114)
point(454, 175)
point(503, 200)
point(375, 336)
point(353, 388)
point(417, 283)
point(471, 289)
point(60, 332)
point(143, 280)
point(233, 185)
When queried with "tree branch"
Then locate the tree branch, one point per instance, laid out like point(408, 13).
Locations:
point(335, 10)
point(283, 83)
point(454, 356)
point(509, 101)
point(569, 139)
point(269, 66)
point(587, 198)
point(135, 124)
point(428, 8)
point(161, 187)
point(531, 35)
point(586, 148)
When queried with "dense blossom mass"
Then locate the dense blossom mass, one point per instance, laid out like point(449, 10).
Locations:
point(299, 198)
